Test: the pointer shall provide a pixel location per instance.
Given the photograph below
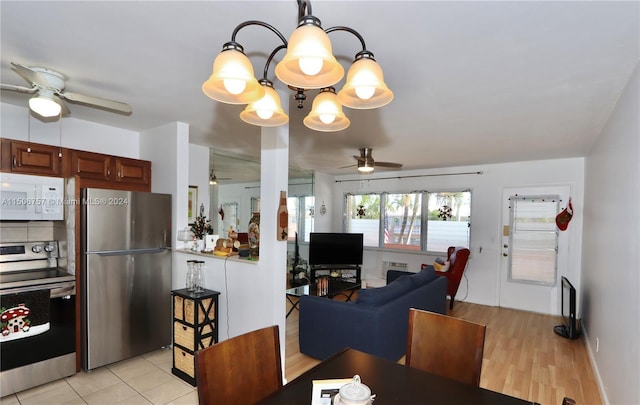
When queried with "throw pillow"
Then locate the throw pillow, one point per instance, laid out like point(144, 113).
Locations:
point(441, 267)
point(382, 295)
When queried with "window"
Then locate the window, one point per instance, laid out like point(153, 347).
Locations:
point(449, 220)
point(363, 216)
point(402, 221)
point(534, 239)
point(417, 221)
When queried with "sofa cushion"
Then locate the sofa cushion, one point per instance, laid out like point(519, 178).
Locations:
point(380, 296)
point(422, 277)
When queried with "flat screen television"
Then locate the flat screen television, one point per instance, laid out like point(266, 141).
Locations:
point(335, 249)
point(568, 328)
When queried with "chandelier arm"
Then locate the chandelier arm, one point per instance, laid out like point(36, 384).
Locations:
point(262, 24)
point(304, 8)
point(275, 51)
point(351, 30)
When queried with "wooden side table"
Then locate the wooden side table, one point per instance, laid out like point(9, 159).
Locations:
point(195, 327)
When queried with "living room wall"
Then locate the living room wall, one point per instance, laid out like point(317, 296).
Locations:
point(610, 271)
point(484, 266)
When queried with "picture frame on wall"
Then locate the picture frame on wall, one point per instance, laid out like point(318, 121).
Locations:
point(192, 205)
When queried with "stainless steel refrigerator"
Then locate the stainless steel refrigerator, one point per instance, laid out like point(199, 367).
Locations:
point(126, 274)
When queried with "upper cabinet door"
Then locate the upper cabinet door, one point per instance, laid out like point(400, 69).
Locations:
point(33, 158)
point(89, 165)
point(133, 171)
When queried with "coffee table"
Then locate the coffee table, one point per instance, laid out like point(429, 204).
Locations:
point(336, 287)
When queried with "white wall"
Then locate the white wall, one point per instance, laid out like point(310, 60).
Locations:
point(483, 270)
point(16, 123)
point(167, 149)
point(611, 281)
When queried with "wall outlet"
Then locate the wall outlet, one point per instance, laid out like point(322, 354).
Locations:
point(597, 345)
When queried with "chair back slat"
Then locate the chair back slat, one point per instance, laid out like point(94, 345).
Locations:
point(240, 370)
point(445, 345)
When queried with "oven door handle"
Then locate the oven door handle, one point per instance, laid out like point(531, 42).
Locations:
point(57, 290)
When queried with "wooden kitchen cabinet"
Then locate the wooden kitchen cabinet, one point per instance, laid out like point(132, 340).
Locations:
point(89, 165)
point(133, 171)
point(106, 171)
point(32, 158)
point(195, 327)
point(93, 169)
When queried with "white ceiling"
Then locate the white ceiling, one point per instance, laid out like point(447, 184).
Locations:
point(475, 82)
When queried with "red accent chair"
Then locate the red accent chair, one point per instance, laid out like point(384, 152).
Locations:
point(457, 258)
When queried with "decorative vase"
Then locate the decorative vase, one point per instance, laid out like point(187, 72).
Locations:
point(198, 245)
point(254, 236)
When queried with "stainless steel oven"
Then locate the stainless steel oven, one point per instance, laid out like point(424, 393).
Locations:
point(37, 316)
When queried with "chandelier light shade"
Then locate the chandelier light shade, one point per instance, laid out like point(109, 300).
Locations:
point(309, 62)
point(326, 113)
point(365, 87)
point(44, 104)
point(232, 80)
point(266, 112)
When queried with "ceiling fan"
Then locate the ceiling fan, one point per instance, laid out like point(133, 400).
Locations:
point(49, 86)
point(366, 163)
point(214, 180)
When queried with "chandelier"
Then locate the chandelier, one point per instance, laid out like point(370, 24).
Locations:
point(308, 64)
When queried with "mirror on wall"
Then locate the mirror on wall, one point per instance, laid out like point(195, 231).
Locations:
point(237, 185)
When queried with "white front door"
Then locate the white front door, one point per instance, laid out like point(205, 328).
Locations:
point(529, 249)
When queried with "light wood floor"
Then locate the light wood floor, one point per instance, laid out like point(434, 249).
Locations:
point(523, 357)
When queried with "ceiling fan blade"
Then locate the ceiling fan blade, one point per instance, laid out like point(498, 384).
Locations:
point(346, 167)
point(97, 101)
point(388, 164)
point(30, 75)
point(21, 89)
point(359, 158)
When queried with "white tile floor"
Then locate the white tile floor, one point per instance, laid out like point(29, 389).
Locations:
point(145, 379)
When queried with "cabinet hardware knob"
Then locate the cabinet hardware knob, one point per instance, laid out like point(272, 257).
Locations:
point(505, 255)
point(184, 328)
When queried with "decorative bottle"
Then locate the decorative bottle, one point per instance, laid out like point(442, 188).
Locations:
point(254, 236)
point(283, 218)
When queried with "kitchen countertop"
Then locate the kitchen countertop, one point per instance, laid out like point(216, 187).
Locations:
point(212, 256)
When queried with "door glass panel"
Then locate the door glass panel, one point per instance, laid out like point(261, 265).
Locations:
point(533, 239)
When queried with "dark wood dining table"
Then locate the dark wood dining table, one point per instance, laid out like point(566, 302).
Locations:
point(392, 383)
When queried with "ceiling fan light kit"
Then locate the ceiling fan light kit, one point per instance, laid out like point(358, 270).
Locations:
point(365, 167)
point(366, 164)
point(308, 64)
point(44, 105)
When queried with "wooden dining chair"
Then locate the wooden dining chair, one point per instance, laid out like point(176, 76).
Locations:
point(444, 345)
point(240, 370)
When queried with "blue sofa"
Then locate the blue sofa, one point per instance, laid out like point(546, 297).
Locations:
point(376, 322)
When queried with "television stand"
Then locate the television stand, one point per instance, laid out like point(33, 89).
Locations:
point(562, 331)
point(345, 272)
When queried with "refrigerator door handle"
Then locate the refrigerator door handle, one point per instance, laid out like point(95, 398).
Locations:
point(128, 252)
